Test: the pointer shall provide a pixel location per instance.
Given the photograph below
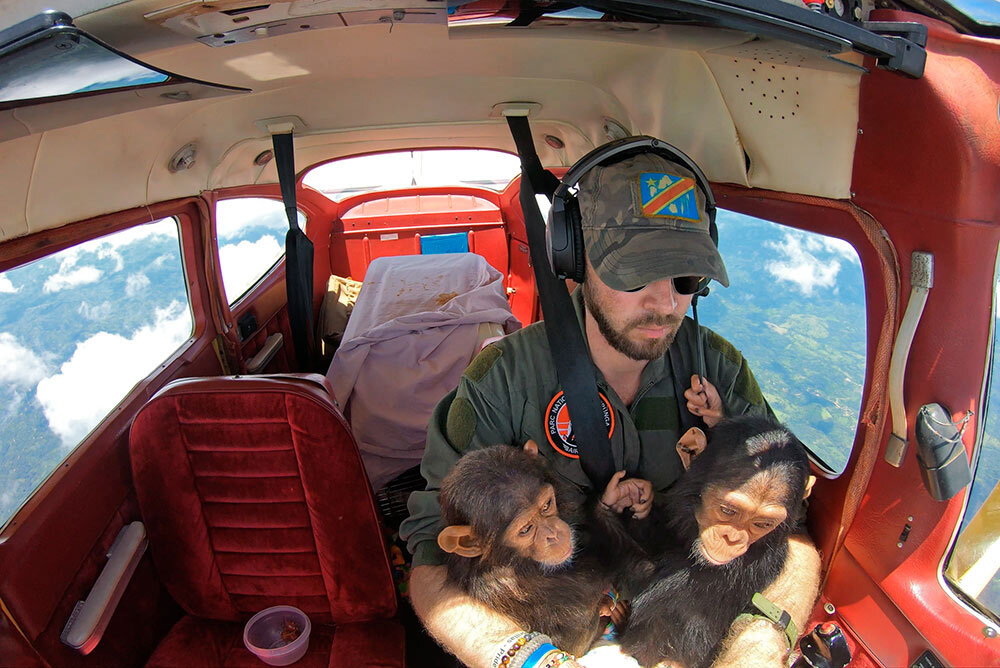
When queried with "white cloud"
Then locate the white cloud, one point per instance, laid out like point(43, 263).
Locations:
point(110, 253)
point(19, 365)
point(70, 278)
point(136, 283)
point(233, 215)
point(6, 285)
point(164, 227)
point(98, 312)
point(104, 368)
point(801, 266)
point(244, 263)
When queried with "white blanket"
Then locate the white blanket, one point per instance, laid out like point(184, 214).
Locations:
point(414, 329)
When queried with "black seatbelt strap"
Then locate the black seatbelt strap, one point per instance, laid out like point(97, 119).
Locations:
point(574, 367)
point(298, 255)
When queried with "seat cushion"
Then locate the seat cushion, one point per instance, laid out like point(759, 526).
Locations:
point(204, 643)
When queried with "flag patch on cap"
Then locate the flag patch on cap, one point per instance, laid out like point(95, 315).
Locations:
point(666, 195)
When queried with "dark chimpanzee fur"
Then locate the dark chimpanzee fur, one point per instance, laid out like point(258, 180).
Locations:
point(686, 607)
point(487, 489)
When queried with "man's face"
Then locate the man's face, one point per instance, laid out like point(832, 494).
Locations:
point(641, 325)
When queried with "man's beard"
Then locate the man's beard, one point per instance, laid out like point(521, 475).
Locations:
point(650, 349)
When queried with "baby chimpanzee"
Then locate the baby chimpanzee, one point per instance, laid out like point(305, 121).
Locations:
point(716, 537)
point(510, 547)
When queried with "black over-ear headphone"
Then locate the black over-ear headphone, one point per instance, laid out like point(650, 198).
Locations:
point(564, 234)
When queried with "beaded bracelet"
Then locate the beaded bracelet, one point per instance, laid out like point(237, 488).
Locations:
point(510, 646)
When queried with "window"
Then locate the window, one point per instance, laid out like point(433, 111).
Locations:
point(78, 330)
point(973, 564)
point(251, 233)
point(385, 171)
point(796, 310)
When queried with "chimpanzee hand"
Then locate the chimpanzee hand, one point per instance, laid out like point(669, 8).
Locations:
point(634, 493)
point(618, 611)
point(703, 399)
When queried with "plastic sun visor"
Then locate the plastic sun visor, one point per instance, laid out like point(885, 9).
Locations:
point(52, 75)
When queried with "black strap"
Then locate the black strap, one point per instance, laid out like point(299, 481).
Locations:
point(298, 255)
point(574, 367)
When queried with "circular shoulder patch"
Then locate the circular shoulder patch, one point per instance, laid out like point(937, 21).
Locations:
point(559, 428)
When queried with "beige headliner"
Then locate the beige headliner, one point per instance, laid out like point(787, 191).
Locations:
point(362, 88)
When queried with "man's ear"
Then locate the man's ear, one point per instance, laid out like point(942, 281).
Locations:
point(810, 481)
point(459, 539)
point(690, 445)
point(531, 448)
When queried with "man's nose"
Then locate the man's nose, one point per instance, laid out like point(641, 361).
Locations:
point(661, 295)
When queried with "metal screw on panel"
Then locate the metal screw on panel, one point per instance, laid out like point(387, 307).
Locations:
point(829, 609)
point(860, 131)
point(899, 545)
point(989, 632)
point(910, 518)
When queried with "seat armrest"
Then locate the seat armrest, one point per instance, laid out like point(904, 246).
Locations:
point(90, 617)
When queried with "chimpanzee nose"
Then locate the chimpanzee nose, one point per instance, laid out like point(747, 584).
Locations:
point(734, 537)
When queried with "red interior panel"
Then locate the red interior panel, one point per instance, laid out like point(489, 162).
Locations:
point(379, 225)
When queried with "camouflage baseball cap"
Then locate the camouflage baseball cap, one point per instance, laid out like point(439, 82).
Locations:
point(643, 220)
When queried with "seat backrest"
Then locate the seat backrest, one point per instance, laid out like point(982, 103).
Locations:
point(253, 494)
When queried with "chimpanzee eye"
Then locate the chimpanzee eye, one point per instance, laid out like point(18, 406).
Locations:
point(525, 530)
point(763, 525)
point(548, 504)
point(727, 511)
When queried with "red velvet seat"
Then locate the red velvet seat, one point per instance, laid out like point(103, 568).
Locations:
point(253, 495)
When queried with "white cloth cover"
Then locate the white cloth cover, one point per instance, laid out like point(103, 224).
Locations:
point(414, 329)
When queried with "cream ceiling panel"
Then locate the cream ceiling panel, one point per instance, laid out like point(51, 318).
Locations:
point(15, 175)
point(796, 114)
point(95, 168)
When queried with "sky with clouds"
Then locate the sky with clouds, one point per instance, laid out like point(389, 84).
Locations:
point(808, 261)
point(88, 386)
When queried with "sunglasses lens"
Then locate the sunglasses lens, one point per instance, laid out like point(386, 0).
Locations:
point(687, 285)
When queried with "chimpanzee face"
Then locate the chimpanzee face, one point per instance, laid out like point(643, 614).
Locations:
point(730, 520)
point(539, 534)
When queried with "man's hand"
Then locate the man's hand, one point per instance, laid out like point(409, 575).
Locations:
point(703, 399)
point(634, 493)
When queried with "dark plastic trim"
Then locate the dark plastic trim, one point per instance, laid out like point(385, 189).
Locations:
point(780, 20)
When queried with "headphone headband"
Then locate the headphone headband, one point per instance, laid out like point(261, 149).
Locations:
point(564, 234)
point(639, 144)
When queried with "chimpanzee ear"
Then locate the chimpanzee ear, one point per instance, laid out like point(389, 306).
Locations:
point(531, 448)
point(690, 445)
point(459, 539)
point(810, 481)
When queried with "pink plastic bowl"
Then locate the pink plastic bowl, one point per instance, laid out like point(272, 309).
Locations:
point(262, 635)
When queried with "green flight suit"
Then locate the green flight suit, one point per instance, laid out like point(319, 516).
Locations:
point(508, 394)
